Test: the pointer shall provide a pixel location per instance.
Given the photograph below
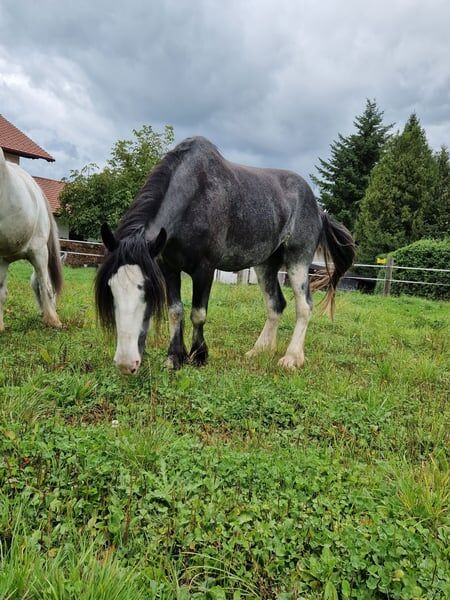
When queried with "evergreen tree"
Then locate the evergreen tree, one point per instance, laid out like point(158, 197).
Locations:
point(344, 178)
point(400, 185)
point(434, 216)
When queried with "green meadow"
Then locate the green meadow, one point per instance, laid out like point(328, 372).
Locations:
point(237, 480)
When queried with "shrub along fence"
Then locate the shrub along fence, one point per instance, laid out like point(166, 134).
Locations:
point(429, 282)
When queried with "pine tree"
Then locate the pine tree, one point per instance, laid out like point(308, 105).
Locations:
point(434, 216)
point(344, 178)
point(400, 185)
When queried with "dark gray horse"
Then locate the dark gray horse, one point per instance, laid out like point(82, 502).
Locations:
point(199, 212)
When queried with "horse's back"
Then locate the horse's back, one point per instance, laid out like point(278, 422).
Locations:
point(232, 214)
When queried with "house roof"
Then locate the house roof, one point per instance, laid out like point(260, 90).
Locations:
point(14, 141)
point(52, 189)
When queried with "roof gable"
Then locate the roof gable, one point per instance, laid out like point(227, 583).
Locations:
point(14, 141)
point(52, 190)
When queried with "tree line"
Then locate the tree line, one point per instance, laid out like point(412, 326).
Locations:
point(389, 189)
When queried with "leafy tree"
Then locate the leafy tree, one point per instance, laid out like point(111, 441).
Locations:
point(92, 196)
point(400, 185)
point(434, 216)
point(343, 179)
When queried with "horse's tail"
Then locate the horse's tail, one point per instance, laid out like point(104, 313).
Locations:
point(54, 254)
point(338, 248)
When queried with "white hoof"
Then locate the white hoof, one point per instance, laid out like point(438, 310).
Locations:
point(252, 353)
point(256, 350)
point(53, 322)
point(291, 361)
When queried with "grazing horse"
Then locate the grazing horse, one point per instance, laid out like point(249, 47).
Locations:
point(198, 212)
point(28, 230)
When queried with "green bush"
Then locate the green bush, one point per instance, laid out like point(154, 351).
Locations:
point(424, 253)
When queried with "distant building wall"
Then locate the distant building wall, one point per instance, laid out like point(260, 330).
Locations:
point(12, 158)
point(63, 227)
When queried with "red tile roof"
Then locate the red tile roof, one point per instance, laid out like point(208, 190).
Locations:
point(16, 142)
point(52, 189)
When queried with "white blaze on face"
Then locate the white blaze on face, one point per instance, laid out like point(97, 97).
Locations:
point(127, 287)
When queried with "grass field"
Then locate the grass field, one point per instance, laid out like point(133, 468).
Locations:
point(237, 480)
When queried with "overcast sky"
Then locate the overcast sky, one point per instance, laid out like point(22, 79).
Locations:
point(271, 82)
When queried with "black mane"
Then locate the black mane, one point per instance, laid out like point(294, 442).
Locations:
point(148, 200)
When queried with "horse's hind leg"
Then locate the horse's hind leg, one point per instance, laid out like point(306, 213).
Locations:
point(201, 288)
point(37, 292)
point(43, 288)
point(3, 276)
point(275, 303)
point(298, 276)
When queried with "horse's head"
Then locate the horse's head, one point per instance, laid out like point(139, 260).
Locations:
point(130, 291)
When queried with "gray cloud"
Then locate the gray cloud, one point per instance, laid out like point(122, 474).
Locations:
point(271, 83)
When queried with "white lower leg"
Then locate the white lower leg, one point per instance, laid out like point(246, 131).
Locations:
point(198, 316)
point(46, 294)
point(267, 340)
point(294, 357)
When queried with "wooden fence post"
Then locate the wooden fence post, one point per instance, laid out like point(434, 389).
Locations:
point(388, 276)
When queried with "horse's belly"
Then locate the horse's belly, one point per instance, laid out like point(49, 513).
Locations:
point(15, 233)
point(237, 258)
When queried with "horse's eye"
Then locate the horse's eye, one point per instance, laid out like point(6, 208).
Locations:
point(140, 286)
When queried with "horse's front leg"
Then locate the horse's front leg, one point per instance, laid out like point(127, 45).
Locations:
point(201, 287)
point(177, 354)
point(43, 288)
point(3, 276)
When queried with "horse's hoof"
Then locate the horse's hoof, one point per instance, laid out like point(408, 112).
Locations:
point(198, 358)
point(55, 323)
point(251, 353)
point(291, 361)
point(255, 351)
point(175, 362)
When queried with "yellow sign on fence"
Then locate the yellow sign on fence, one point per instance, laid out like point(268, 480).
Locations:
point(381, 261)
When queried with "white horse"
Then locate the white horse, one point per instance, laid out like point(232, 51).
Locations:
point(28, 230)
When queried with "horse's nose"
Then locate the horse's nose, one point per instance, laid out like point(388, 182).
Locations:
point(128, 368)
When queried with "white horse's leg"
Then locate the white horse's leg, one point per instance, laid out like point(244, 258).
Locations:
point(275, 303)
point(3, 277)
point(43, 287)
point(298, 276)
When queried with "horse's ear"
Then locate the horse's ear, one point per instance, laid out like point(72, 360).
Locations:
point(108, 237)
point(155, 246)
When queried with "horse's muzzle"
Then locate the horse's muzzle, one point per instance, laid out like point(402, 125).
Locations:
point(130, 368)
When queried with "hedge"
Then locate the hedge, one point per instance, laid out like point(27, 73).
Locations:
point(424, 253)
